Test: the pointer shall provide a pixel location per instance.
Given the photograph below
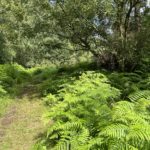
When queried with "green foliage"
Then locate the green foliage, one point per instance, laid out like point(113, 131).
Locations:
point(5, 101)
point(2, 91)
point(130, 125)
point(26, 32)
point(41, 74)
point(139, 94)
point(78, 109)
point(48, 79)
point(86, 116)
point(11, 75)
point(85, 111)
point(39, 147)
point(129, 82)
point(55, 32)
point(79, 20)
point(115, 32)
point(51, 79)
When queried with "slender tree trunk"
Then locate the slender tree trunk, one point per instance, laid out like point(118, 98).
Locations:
point(137, 18)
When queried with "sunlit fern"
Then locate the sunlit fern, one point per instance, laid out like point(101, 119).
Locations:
point(86, 117)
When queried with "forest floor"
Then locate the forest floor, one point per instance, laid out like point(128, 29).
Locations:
point(21, 125)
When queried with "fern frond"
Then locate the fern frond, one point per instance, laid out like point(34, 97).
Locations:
point(139, 132)
point(97, 141)
point(139, 94)
point(127, 112)
point(115, 131)
point(114, 144)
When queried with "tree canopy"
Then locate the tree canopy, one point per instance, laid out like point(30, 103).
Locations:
point(115, 32)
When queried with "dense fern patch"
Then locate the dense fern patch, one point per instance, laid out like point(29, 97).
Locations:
point(129, 83)
point(87, 116)
point(12, 75)
point(89, 110)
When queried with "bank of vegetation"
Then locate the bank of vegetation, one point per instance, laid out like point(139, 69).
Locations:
point(88, 62)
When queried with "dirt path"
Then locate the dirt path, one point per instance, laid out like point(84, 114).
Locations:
point(21, 125)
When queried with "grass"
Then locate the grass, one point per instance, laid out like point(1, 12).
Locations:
point(22, 124)
point(4, 103)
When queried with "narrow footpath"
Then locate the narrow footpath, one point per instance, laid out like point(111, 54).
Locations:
point(22, 125)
